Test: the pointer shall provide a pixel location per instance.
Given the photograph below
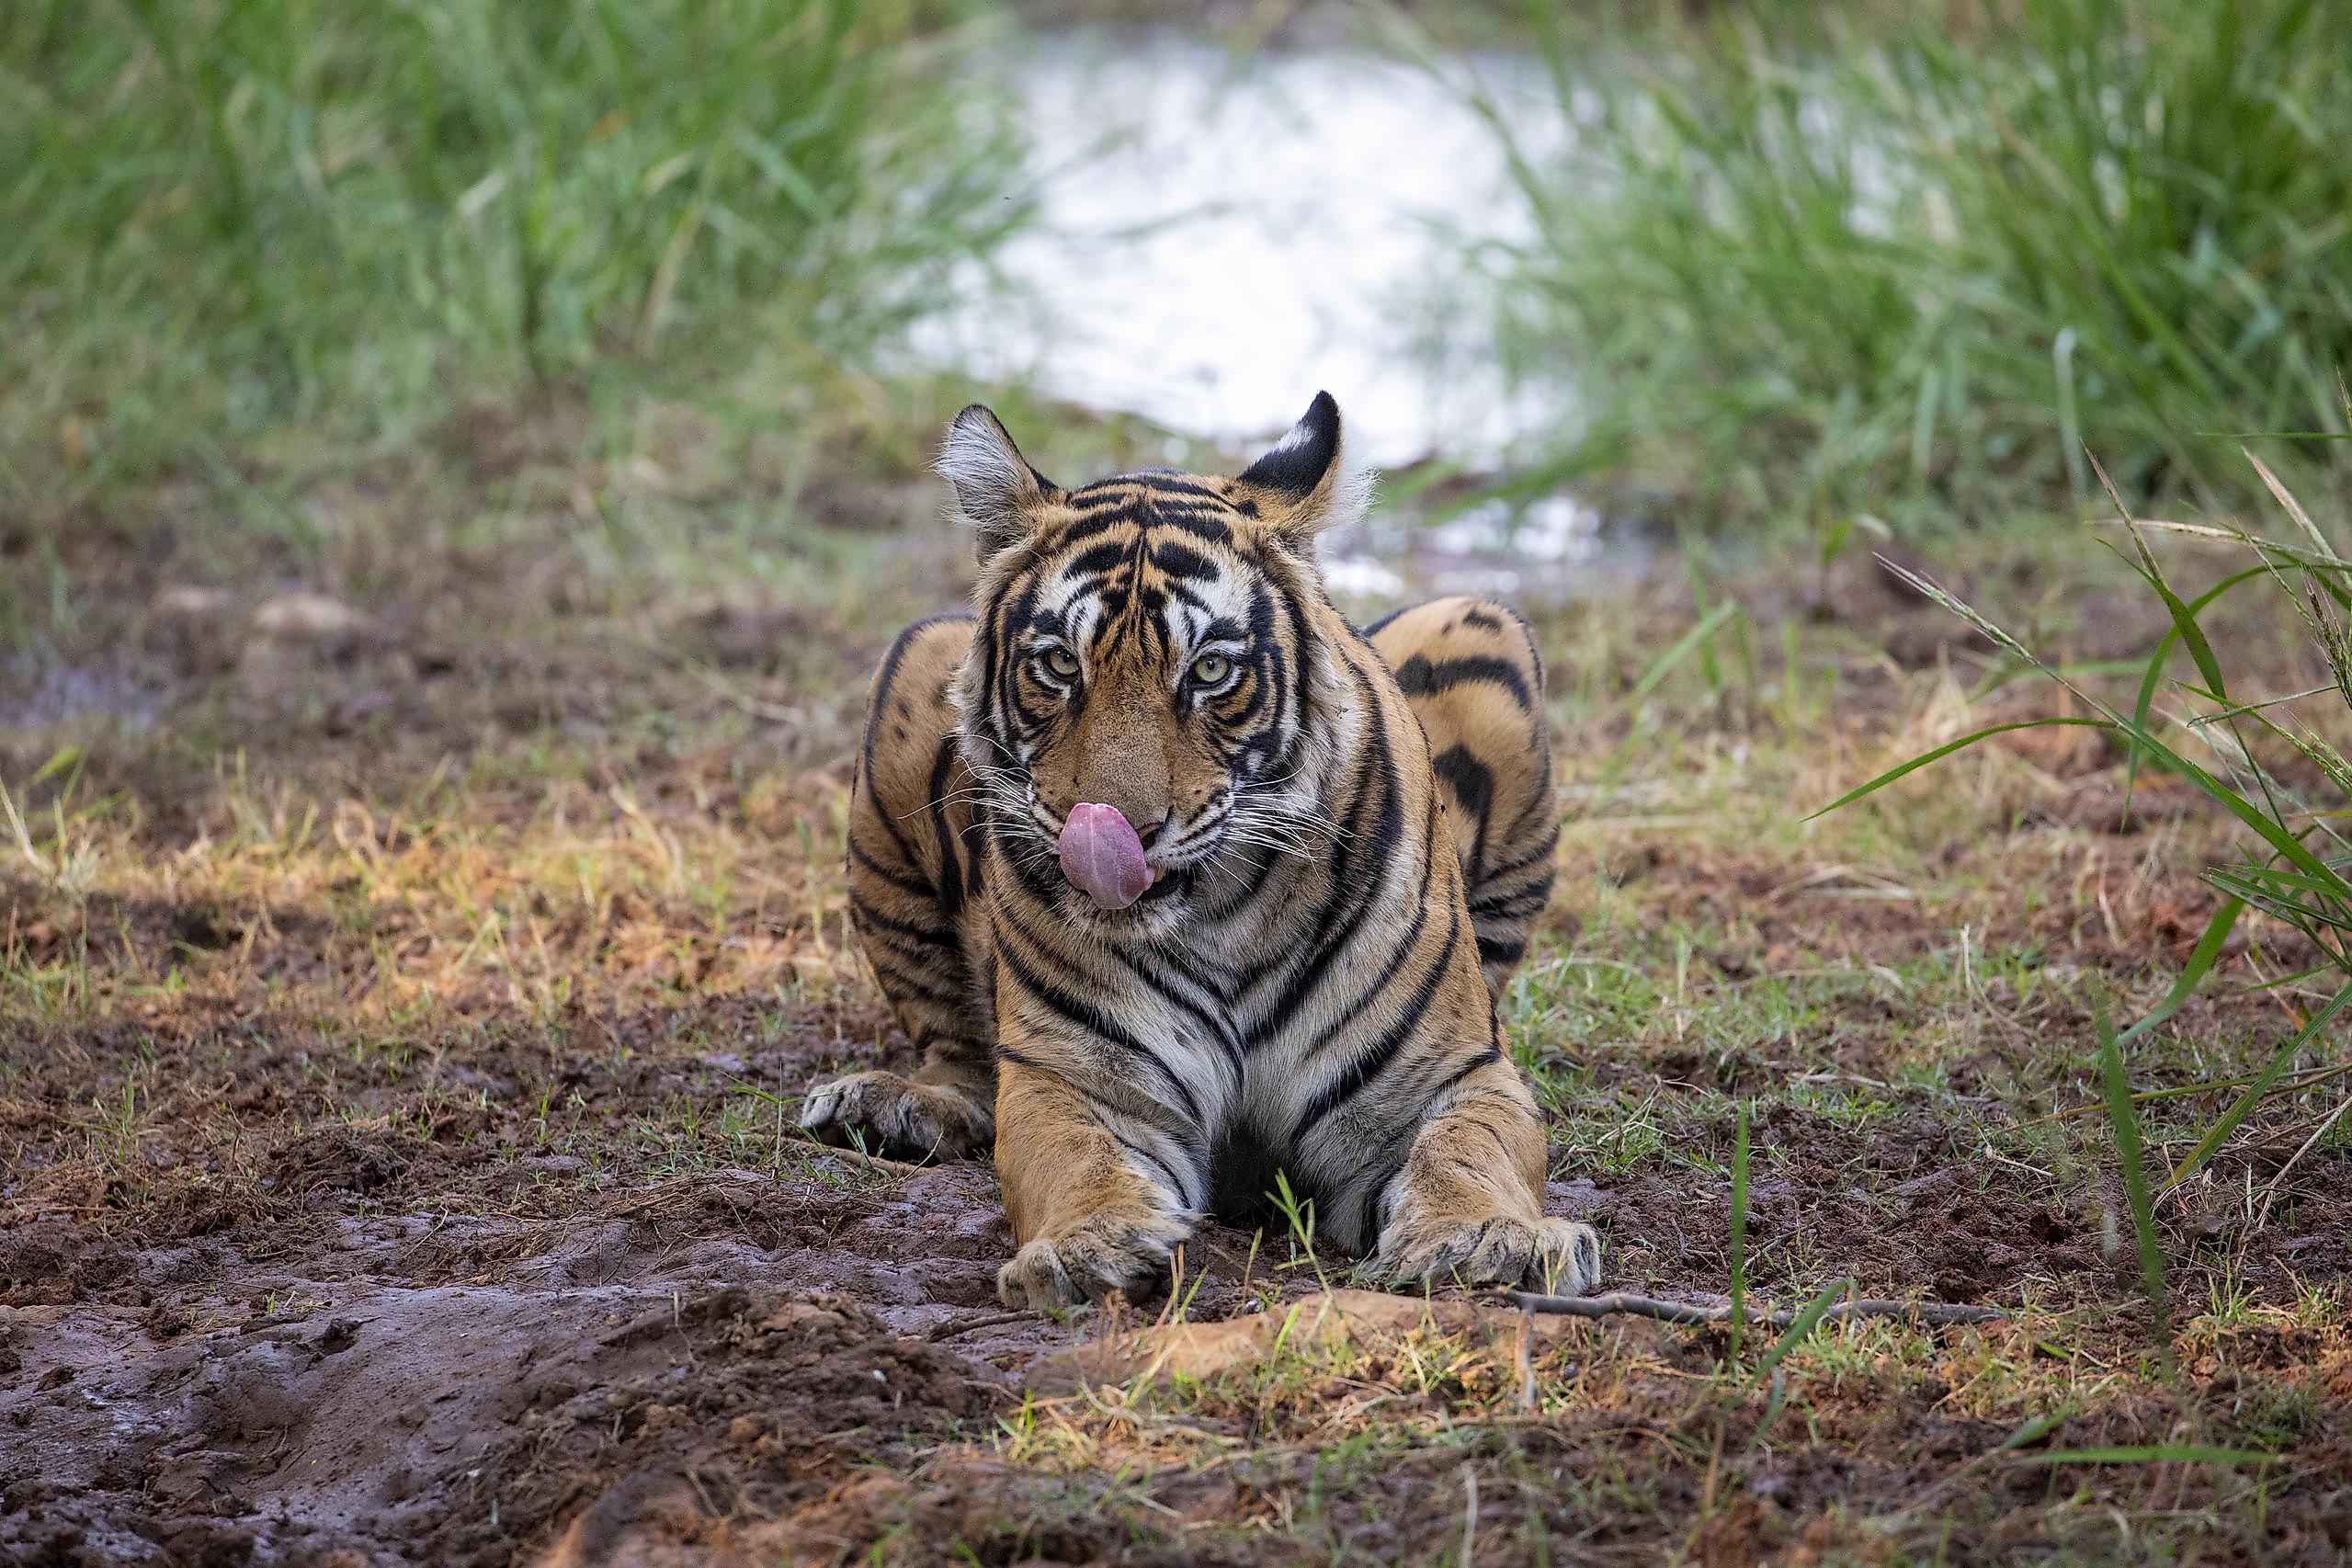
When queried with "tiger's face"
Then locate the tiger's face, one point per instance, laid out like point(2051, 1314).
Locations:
point(1146, 645)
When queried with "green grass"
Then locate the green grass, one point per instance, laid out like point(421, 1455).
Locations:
point(1904, 263)
point(547, 964)
point(571, 981)
point(231, 223)
point(2269, 762)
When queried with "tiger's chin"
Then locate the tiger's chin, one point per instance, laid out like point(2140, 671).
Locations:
point(1158, 907)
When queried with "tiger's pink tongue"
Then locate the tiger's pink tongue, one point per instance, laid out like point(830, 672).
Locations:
point(1102, 856)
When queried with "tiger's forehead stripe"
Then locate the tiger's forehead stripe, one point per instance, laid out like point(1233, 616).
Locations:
point(1147, 552)
point(1152, 500)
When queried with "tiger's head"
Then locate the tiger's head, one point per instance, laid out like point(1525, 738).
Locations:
point(1138, 702)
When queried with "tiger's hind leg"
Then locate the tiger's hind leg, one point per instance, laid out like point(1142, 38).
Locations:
point(914, 876)
point(1470, 669)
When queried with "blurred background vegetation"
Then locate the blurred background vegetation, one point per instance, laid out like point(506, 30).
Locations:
point(1786, 264)
point(230, 220)
point(1912, 259)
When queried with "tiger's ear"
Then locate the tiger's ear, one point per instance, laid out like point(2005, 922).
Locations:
point(1302, 486)
point(999, 493)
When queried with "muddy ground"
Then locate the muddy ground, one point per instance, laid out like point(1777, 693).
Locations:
point(414, 945)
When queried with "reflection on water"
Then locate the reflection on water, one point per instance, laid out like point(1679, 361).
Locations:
point(1221, 237)
point(1546, 552)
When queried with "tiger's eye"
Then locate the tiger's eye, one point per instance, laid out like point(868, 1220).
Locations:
point(1210, 668)
point(1061, 662)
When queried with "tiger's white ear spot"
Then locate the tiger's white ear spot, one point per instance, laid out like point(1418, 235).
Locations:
point(1304, 483)
point(995, 486)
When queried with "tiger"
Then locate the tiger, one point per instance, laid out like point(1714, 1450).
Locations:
point(1185, 887)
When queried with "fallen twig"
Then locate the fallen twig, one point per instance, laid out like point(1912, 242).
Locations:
point(1619, 1301)
point(939, 1331)
point(875, 1162)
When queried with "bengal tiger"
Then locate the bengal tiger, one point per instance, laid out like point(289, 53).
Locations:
point(1177, 879)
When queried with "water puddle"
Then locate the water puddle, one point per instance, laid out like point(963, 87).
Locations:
point(1547, 551)
point(36, 695)
point(1219, 237)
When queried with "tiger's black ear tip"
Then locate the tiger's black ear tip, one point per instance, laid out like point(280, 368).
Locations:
point(1320, 421)
point(1298, 462)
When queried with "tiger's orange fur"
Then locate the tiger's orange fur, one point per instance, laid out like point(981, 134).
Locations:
point(1350, 834)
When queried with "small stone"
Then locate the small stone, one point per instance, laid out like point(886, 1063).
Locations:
point(308, 618)
point(187, 601)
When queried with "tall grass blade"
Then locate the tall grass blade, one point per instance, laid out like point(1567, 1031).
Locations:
point(2294, 509)
point(1684, 646)
point(1739, 1231)
point(2184, 627)
point(2035, 1430)
point(1803, 1325)
point(2244, 1104)
point(2126, 1122)
point(2154, 673)
point(2201, 960)
point(1940, 752)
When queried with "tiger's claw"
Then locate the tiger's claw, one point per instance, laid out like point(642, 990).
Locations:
point(1559, 1256)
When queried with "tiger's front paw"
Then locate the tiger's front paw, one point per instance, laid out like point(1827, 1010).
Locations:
point(1106, 1253)
point(1559, 1256)
point(899, 1116)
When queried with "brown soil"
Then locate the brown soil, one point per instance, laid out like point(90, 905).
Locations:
point(330, 1240)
